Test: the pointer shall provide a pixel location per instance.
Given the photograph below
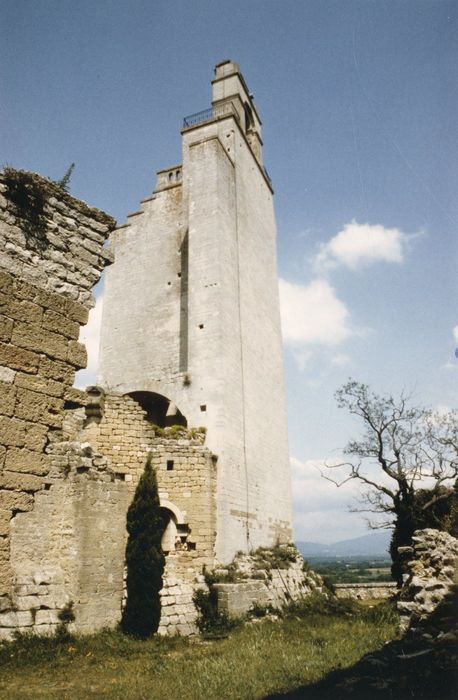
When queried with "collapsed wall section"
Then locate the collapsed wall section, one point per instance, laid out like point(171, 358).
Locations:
point(51, 254)
point(186, 475)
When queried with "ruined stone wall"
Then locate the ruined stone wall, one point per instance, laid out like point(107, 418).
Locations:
point(431, 566)
point(51, 254)
point(186, 473)
point(365, 591)
point(275, 590)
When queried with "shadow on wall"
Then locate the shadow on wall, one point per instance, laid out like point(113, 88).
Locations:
point(159, 409)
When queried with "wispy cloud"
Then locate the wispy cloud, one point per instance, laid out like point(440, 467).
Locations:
point(361, 245)
point(312, 314)
point(321, 509)
point(455, 334)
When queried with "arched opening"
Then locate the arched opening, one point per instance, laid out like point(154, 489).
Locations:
point(175, 534)
point(159, 409)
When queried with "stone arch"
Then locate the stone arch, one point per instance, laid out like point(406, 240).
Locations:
point(176, 529)
point(160, 410)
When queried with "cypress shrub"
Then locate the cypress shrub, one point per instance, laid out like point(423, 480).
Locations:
point(144, 558)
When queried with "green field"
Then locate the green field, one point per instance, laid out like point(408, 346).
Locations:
point(255, 660)
point(352, 569)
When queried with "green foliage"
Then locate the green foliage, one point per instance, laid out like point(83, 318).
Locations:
point(353, 569)
point(144, 558)
point(230, 574)
point(210, 622)
point(64, 182)
point(281, 556)
point(29, 197)
point(177, 432)
point(258, 610)
point(402, 446)
point(66, 615)
point(330, 606)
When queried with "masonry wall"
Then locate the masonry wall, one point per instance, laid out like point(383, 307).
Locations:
point(51, 254)
point(203, 248)
point(186, 472)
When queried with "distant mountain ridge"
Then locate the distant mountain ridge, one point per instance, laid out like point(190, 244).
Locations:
point(373, 545)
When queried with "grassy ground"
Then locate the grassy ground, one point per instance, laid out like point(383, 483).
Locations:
point(254, 661)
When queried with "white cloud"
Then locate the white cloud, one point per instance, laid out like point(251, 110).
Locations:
point(360, 245)
point(312, 314)
point(90, 337)
point(321, 509)
point(455, 334)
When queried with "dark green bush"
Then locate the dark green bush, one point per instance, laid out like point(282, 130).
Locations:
point(209, 620)
point(144, 558)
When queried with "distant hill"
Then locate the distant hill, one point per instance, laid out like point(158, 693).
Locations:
point(373, 545)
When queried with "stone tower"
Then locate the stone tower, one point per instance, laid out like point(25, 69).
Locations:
point(191, 323)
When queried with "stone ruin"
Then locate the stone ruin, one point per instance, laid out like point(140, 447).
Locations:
point(70, 460)
point(431, 576)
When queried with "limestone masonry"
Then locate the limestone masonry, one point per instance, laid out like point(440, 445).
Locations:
point(191, 322)
point(191, 373)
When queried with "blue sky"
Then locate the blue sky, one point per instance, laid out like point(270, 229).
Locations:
point(358, 101)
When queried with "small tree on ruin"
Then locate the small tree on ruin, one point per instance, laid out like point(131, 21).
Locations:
point(144, 558)
point(406, 461)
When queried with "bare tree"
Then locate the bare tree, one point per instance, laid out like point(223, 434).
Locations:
point(406, 460)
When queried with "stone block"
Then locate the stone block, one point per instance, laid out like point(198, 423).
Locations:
point(47, 617)
point(6, 282)
point(32, 337)
point(6, 328)
point(57, 370)
point(5, 517)
point(11, 500)
point(12, 431)
point(77, 355)
point(35, 436)
point(7, 399)
point(40, 384)
point(23, 460)
point(16, 619)
point(18, 358)
point(60, 324)
point(22, 482)
point(7, 375)
point(21, 310)
point(39, 408)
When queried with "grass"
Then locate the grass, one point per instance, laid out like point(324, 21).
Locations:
point(254, 661)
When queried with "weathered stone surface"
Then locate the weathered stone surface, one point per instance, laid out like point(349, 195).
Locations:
point(23, 482)
point(18, 358)
point(6, 328)
point(11, 500)
point(39, 384)
point(7, 399)
point(32, 337)
point(210, 313)
point(431, 575)
point(77, 355)
point(365, 591)
point(44, 299)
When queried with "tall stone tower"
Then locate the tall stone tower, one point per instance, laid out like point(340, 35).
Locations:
point(191, 323)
